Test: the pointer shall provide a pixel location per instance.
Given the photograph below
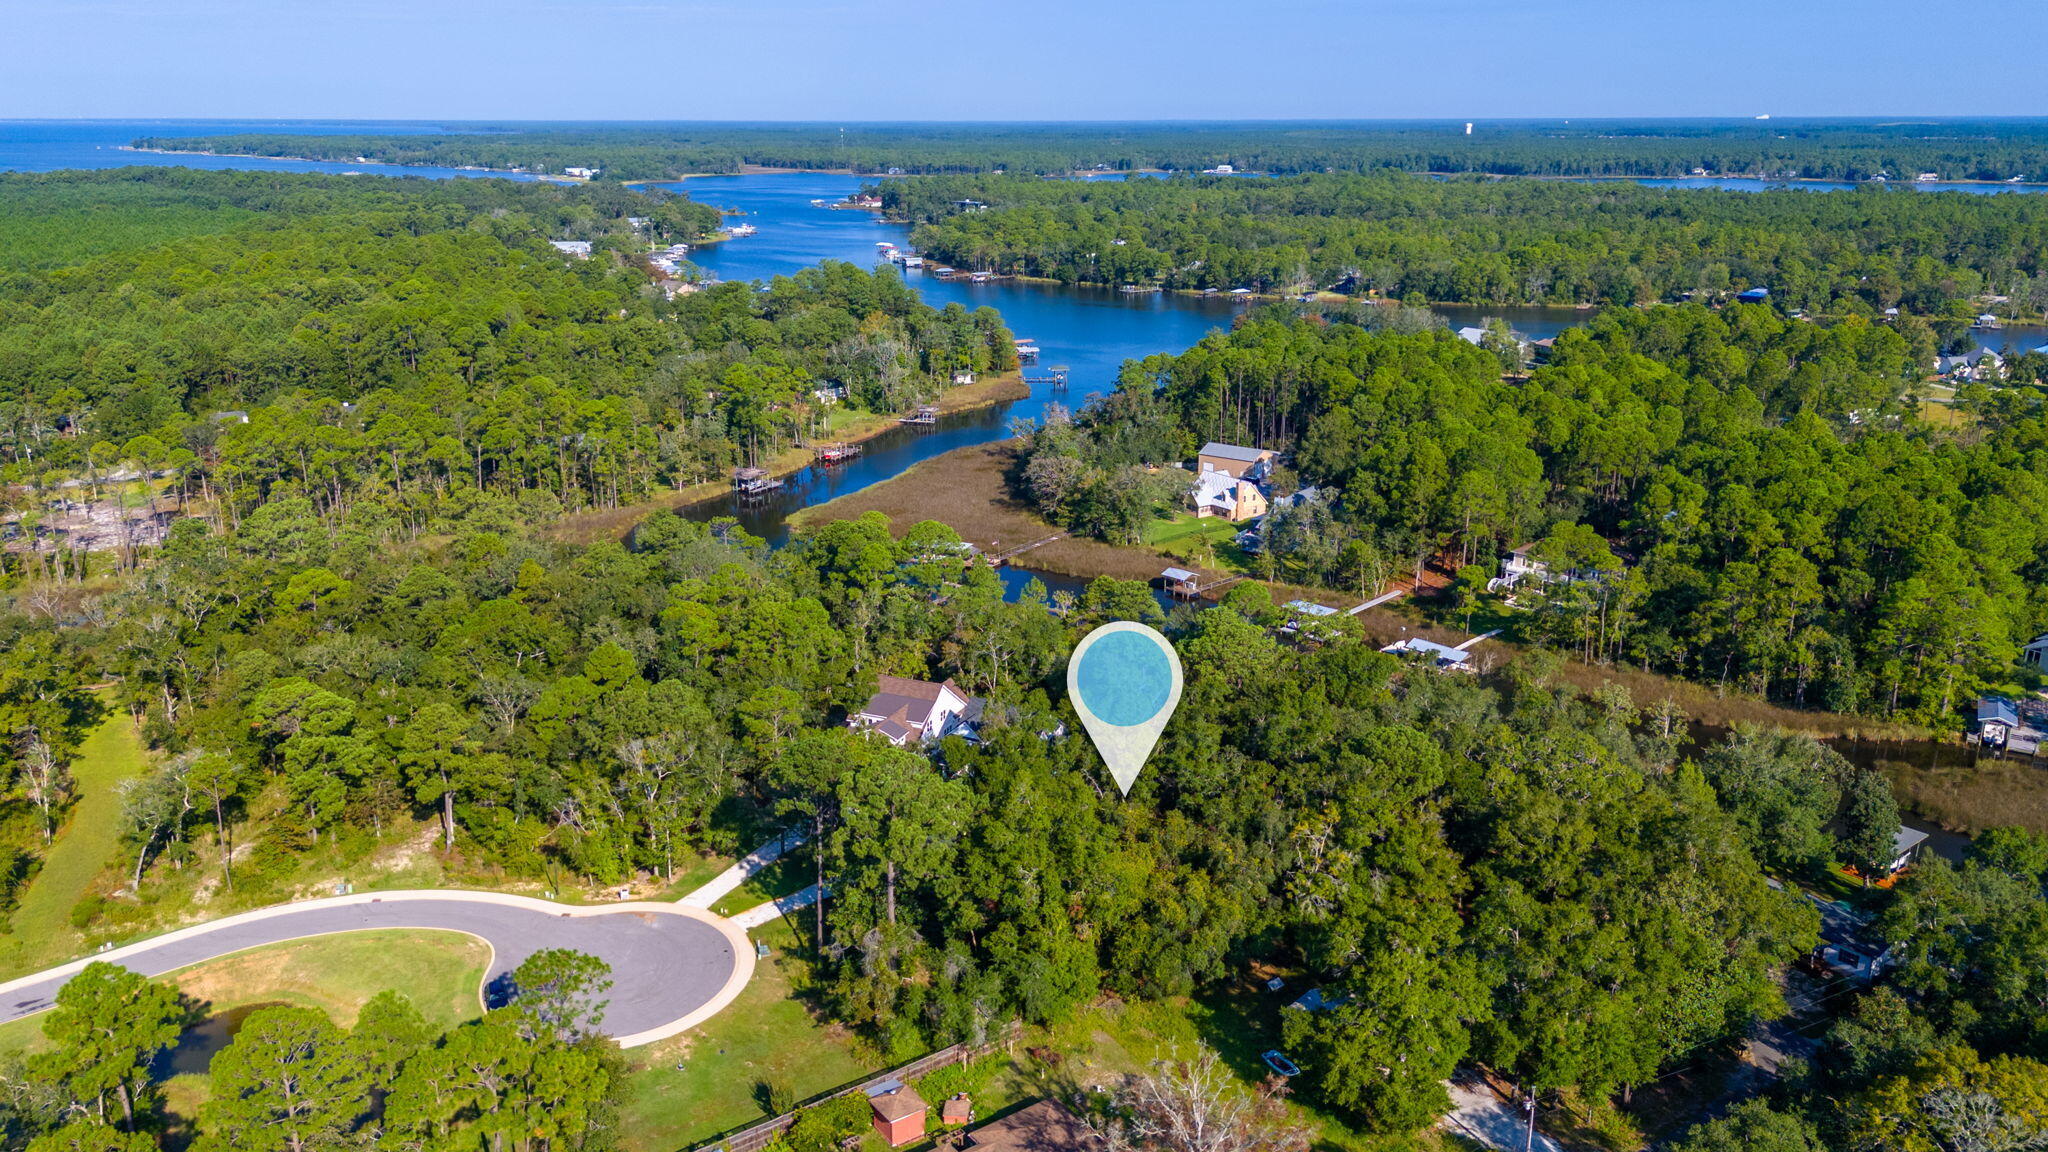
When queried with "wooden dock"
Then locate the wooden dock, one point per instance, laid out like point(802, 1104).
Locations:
point(1055, 376)
point(753, 481)
point(1182, 584)
point(928, 414)
point(998, 559)
point(835, 453)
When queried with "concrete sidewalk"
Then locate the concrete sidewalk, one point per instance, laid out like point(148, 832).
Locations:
point(773, 910)
point(749, 865)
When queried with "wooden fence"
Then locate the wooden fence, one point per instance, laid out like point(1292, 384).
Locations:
point(757, 1135)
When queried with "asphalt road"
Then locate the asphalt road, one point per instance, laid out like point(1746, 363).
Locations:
point(665, 964)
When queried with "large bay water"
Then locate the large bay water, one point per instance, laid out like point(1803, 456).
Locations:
point(1090, 331)
point(50, 145)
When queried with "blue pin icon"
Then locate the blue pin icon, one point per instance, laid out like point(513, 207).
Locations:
point(1124, 680)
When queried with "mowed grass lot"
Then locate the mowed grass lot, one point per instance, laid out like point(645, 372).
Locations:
point(442, 973)
point(1187, 531)
point(40, 929)
point(768, 1034)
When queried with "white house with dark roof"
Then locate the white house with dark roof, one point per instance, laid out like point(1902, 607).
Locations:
point(1236, 461)
point(904, 711)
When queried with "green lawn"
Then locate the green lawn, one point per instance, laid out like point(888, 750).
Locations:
point(1182, 530)
point(792, 873)
point(767, 1034)
point(41, 931)
point(441, 972)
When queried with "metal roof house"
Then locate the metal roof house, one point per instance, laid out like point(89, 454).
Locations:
point(1441, 656)
point(1221, 494)
point(1236, 460)
point(1753, 295)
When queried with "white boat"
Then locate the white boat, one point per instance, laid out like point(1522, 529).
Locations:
point(884, 245)
point(742, 230)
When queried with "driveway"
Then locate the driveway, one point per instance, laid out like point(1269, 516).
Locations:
point(672, 966)
point(1476, 1112)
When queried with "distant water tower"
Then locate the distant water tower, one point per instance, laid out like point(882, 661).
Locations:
point(1468, 127)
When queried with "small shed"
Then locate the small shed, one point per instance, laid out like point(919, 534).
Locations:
point(958, 1109)
point(899, 1113)
point(1905, 846)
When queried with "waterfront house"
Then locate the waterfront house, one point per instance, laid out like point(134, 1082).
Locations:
point(1047, 1126)
point(2036, 653)
point(1977, 364)
point(582, 173)
point(1220, 494)
point(905, 711)
point(1236, 461)
point(1442, 657)
point(898, 1112)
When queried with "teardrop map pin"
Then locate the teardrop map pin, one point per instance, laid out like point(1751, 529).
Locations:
point(1124, 680)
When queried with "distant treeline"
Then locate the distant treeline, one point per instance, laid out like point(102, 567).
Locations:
point(1494, 241)
point(1805, 149)
point(418, 346)
point(53, 219)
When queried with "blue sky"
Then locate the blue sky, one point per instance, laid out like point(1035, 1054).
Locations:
point(1020, 59)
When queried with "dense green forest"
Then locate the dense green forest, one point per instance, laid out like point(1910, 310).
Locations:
point(1789, 149)
point(533, 1076)
point(49, 220)
point(1496, 241)
point(368, 636)
point(418, 347)
point(1789, 525)
point(1487, 868)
